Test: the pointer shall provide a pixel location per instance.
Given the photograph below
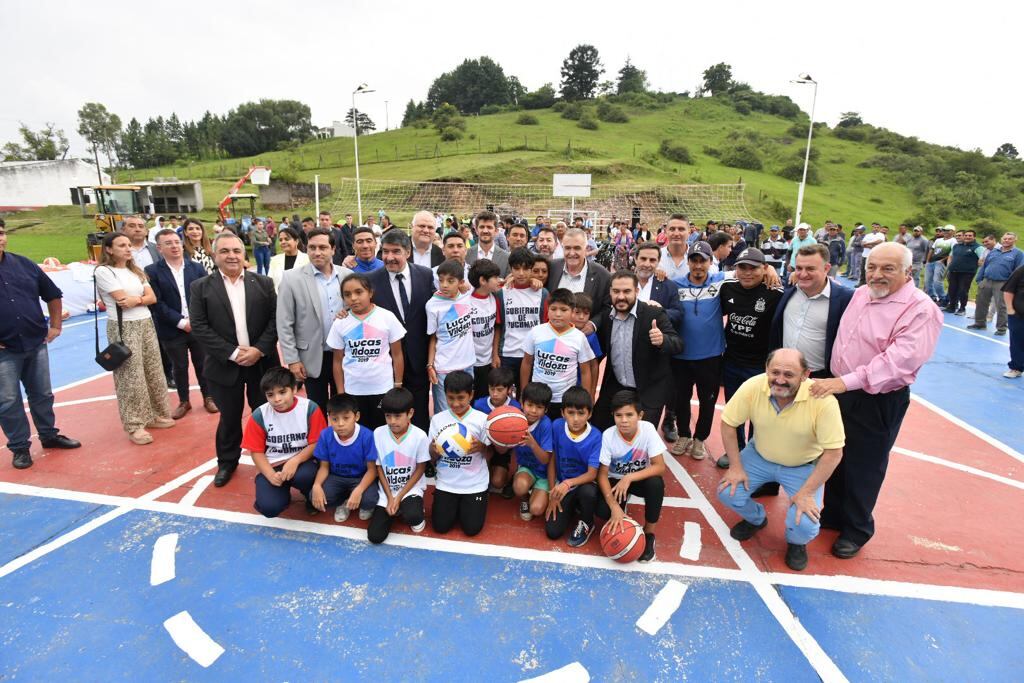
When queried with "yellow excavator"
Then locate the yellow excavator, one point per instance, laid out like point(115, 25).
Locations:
point(113, 203)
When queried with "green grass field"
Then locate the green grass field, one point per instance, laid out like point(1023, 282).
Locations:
point(497, 149)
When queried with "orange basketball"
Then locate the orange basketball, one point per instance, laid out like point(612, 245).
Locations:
point(625, 545)
point(507, 426)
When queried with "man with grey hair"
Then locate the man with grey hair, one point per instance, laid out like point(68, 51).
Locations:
point(887, 333)
point(424, 251)
point(995, 270)
point(575, 273)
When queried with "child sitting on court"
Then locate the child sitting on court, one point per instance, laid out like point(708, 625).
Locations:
point(555, 352)
point(499, 387)
point(632, 463)
point(530, 483)
point(280, 436)
point(461, 485)
point(485, 278)
point(576, 451)
point(402, 457)
point(449, 324)
point(583, 304)
point(347, 456)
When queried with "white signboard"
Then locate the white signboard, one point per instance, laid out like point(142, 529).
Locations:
point(260, 176)
point(571, 185)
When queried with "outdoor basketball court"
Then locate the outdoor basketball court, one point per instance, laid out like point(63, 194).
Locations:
point(119, 561)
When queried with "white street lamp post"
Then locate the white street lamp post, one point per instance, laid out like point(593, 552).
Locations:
point(805, 79)
point(362, 89)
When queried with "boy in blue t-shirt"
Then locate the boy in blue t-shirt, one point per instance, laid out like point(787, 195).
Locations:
point(534, 453)
point(347, 476)
point(583, 304)
point(499, 388)
point(572, 471)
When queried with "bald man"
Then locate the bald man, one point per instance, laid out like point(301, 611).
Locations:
point(424, 251)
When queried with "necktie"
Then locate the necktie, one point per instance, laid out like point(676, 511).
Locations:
point(402, 295)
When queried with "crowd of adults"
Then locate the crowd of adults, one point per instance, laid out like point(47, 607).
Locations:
point(816, 373)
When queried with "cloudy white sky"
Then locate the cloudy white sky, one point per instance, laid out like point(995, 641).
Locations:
point(945, 72)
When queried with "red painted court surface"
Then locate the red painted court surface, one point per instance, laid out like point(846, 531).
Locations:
point(949, 522)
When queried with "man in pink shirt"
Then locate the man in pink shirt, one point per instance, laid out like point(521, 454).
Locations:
point(886, 334)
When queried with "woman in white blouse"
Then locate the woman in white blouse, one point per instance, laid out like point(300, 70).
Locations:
point(288, 256)
point(139, 383)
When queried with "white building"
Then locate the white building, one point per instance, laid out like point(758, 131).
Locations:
point(32, 184)
point(337, 129)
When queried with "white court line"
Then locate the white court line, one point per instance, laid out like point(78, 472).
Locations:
point(74, 534)
point(108, 397)
point(661, 609)
point(193, 640)
point(957, 466)
point(80, 382)
point(81, 322)
point(190, 498)
point(161, 566)
point(690, 549)
point(816, 656)
point(570, 673)
point(846, 584)
point(991, 440)
point(975, 334)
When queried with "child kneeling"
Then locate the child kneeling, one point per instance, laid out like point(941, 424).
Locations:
point(402, 457)
point(347, 458)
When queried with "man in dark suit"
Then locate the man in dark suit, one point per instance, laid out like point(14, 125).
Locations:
point(346, 246)
point(807, 317)
point(399, 277)
point(233, 317)
point(424, 252)
point(638, 340)
point(486, 230)
point(577, 274)
point(171, 278)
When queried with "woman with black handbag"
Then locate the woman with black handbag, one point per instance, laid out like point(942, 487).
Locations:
point(139, 381)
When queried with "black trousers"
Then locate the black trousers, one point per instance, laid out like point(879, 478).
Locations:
point(514, 364)
point(178, 349)
point(410, 510)
point(872, 422)
point(480, 373)
point(581, 501)
point(371, 415)
point(322, 387)
point(230, 400)
point(419, 385)
point(602, 418)
point(959, 288)
point(652, 490)
point(706, 375)
point(468, 509)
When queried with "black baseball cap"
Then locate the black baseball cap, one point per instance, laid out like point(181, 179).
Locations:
point(750, 257)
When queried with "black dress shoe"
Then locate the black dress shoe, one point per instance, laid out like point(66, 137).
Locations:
point(796, 557)
point(745, 530)
point(770, 488)
point(22, 460)
point(844, 549)
point(223, 475)
point(171, 384)
point(60, 441)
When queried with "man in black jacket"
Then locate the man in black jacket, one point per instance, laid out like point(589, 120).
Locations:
point(233, 317)
point(638, 340)
point(578, 274)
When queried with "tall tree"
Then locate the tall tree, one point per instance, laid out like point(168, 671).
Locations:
point(581, 72)
point(413, 111)
point(131, 148)
point(47, 144)
point(717, 79)
point(257, 127)
point(1007, 151)
point(631, 78)
point(470, 86)
point(101, 129)
point(849, 119)
point(366, 124)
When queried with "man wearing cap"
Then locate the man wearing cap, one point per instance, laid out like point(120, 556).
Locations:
point(935, 264)
point(836, 246)
point(802, 238)
point(749, 306)
point(887, 333)
point(918, 246)
point(775, 249)
point(995, 270)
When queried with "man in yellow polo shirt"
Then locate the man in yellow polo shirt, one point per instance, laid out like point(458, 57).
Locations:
point(798, 442)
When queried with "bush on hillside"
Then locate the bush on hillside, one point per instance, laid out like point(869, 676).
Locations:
point(559, 106)
point(541, 98)
point(711, 151)
point(498, 108)
point(675, 152)
point(742, 155)
point(572, 111)
point(451, 134)
point(794, 170)
point(587, 122)
point(527, 120)
point(609, 113)
point(851, 133)
point(643, 100)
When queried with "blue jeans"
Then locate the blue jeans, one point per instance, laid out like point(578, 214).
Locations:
point(262, 256)
point(337, 489)
point(272, 500)
point(934, 276)
point(31, 368)
point(1016, 327)
point(760, 471)
point(437, 391)
point(733, 376)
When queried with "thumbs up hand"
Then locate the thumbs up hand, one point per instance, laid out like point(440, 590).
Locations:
point(656, 336)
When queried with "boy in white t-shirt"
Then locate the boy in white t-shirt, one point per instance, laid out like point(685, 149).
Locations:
point(522, 308)
point(402, 456)
point(450, 326)
point(632, 463)
point(460, 494)
point(556, 353)
point(485, 278)
point(280, 436)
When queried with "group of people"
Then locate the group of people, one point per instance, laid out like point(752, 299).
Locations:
point(408, 334)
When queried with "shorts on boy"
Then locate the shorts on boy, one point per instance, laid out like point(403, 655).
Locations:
point(272, 500)
point(538, 484)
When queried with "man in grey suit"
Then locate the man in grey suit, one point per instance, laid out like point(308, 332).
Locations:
point(308, 300)
point(578, 274)
point(486, 229)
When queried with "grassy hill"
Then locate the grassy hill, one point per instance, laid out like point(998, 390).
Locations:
point(495, 148)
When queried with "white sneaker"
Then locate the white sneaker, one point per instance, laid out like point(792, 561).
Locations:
point(365, 514)
point(681, 445)
point(419, 527)
point(697, 450)
point(341, 514)
point(1012, 374)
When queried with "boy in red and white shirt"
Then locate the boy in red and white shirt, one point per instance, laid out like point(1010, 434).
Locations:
point(280, 436)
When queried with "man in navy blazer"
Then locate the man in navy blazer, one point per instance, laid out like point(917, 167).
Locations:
point(171, 278)
point(417, 283)
point(808, 315)
point(664, 293)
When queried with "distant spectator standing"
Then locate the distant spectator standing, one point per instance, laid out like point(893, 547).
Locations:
point(836, 247)
point(855, 253)
point(935, 264)
point(1013, 298)
point(918, 246)
point(775, 249)
point(260, 246)
point(802, 238)
point(996, 269)
point(963, 265)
